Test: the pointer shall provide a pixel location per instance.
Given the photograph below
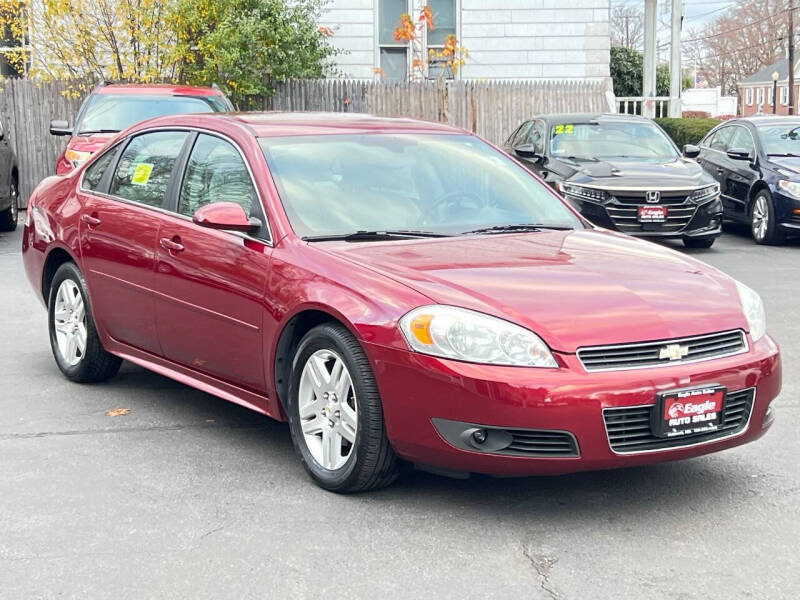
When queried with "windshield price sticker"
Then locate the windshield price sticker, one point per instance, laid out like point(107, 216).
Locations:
point(141, 174)
point(567, 129)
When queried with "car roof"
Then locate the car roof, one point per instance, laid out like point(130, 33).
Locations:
point(587, 117)
point(279, 124)
point(157, 89)
point(761, 119)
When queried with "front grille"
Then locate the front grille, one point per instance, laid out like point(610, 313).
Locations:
point(640, 197)
point(533, 442)
point(626, 218)
point(629, 429)
point(648, 354)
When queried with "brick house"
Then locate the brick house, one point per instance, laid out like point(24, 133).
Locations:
point(755, 92)
point(507, 39)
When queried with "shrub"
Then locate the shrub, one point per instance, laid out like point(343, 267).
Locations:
point(687, 131)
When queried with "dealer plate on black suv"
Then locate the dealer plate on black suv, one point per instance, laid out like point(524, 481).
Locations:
point(689, 411)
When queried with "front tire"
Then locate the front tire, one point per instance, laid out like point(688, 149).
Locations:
point(699, 242)
point(73, 334)
point(763, 224)
point(8, 218)
point(336, 415)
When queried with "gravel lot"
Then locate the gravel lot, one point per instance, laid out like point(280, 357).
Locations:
point(187, 496)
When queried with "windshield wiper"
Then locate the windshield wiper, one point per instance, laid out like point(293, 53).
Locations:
point(781, 154)
point(519, 227)
point(91, 131)
point(375, 235)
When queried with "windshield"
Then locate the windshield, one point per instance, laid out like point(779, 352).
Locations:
point(781, 138)
point(447, 184)
point(115, 112)
point(603, 139)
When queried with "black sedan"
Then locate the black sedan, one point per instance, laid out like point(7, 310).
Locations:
point(622, 172)
point(757, 164)
point(9, 185)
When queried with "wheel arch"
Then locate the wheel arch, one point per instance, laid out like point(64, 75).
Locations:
point(55, 258)
point(292, 332)
point(757, 187)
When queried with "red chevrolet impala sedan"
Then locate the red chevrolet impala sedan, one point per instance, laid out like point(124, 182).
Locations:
point(395, 290)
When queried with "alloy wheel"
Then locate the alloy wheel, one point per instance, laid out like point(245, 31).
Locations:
point(328, 409)
point(760, 218)
point(69, 322)
point(14, 202)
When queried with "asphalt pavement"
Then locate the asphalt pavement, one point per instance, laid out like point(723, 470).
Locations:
point(188, 496)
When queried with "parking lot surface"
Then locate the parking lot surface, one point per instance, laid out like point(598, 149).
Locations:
point(189, 496)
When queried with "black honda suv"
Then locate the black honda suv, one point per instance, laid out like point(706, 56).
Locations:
point(622, 172)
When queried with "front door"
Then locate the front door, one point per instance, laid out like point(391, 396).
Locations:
point(210, 284)
point(118, 229)
point(740, 174)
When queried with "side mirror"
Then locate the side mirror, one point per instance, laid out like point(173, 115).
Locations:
point(739, 154)
point(527, 151)
point(691, 151)
point(58, 127)
point(225, 215)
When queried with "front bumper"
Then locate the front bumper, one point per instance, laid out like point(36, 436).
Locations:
point(418, 389)
point(684, 220)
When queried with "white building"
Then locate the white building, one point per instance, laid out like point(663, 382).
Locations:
point(507, 39)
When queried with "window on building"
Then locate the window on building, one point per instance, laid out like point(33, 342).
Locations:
point(393, 54)
point(444, 19)
point(748, 96)
point(784, 94)
point(760, 96)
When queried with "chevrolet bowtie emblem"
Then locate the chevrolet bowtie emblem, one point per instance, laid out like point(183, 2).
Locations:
point(673, 352)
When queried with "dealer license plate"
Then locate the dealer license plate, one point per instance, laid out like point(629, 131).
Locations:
point(688, 412)
point(652, 214)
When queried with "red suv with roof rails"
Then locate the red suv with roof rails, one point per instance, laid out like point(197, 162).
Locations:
point(110, 108)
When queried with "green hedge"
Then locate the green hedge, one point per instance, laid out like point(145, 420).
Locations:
point(687, 131)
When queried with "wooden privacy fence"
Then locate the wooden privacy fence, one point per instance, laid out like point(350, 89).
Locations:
point(491, 109)
point(26, 109)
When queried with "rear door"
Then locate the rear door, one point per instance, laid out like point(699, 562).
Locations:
point(210, 290)
point(120, 200)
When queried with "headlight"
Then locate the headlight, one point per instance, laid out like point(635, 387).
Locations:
point(704, 193)
point(580, 191)
point(77, 158)
point(462, 334)
point(753, 309)
point(791, 187)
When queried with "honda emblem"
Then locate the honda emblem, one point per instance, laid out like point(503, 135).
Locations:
point(653, 197)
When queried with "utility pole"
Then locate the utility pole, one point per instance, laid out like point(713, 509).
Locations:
point(791, 57)
point(675, 72)
point(649, 76)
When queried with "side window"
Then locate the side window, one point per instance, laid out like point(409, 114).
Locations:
point(741, 138)
point(522, 134)
point(145, 167)
point(216, 172)
point(536, 136)
point(94, 172)
point(721, 139)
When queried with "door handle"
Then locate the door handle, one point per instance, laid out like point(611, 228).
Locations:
point(719, 170)
point(90, 220)
point(171, 245)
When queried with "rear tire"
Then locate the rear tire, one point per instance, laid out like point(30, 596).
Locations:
point(699, 242)
point(8, 218)
point(73, 334)
point(336, 415)
point(763, 224)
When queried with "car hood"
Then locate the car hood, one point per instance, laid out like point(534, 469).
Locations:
point(626, 174)
point(791, 164)
point(573, 288)
point(90, 143)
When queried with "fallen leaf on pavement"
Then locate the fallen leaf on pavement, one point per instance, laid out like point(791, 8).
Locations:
point(117, 412)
